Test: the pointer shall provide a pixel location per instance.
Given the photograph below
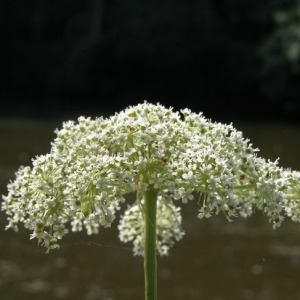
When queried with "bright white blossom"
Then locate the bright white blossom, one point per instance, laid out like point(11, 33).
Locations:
point(94, 163)
point(168, 227)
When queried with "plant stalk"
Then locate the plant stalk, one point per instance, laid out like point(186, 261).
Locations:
point(150, 262)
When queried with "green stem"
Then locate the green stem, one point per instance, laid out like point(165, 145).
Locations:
point(150, 264)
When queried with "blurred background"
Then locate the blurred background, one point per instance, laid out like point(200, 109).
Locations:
point(230, 59)
point(235, 61)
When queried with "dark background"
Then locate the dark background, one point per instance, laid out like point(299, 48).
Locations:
point(231, 59)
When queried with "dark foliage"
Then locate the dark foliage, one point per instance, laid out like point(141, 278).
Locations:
point(92, 56)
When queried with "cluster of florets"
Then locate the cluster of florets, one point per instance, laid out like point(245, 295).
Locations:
point(168, 227)
point(93, 164)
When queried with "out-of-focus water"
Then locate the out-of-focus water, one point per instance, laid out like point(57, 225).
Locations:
point(216, 260)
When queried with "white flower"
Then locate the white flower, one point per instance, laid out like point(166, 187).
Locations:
point(93, 164)
point(168, 227)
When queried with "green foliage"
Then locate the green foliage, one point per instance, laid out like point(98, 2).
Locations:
point(281, 53)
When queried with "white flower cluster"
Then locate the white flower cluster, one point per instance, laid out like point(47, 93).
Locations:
point(168, 227)
point(94, 163)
